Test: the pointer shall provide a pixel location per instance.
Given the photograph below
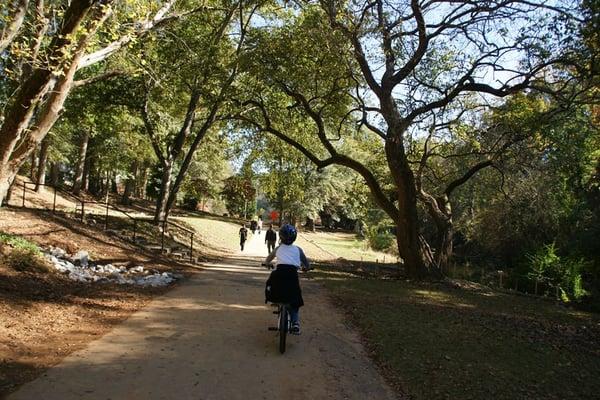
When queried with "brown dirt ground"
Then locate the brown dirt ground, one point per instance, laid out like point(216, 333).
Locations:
point(45, 317)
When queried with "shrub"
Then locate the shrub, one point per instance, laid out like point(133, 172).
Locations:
point(546, 265)
point(27, 260)
point(19, 243)
point(23, 255)
point(190, 202)
point(379, 238)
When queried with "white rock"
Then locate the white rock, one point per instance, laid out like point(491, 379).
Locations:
point(81, 258)
point(84, 272)
point(57, 252)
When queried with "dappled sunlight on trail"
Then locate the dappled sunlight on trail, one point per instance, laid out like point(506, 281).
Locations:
point(208, 339)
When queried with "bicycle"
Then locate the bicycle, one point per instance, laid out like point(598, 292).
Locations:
point(283, 323)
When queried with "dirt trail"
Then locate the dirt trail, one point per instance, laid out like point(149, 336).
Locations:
point(208, 339)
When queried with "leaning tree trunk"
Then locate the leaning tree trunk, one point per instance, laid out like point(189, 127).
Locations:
point(10, 192)
point(43, 158)
point(445, 232)
point(41, 95)
point(80, 167)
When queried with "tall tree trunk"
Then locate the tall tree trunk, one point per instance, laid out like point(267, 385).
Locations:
point(444, 234)
point(130, 184)
point(79, 168)
point(113, 183)
point(54, 173)
point(144, 183)
point(162, 211)
point(310, 224)
point(407, 225)
point(87, 167)
point(34, 165)
point(443, 253)
point(43, 158)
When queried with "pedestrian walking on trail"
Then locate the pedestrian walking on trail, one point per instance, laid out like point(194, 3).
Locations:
point(270, 239)
point(243, 236)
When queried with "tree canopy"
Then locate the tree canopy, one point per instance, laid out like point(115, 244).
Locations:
point(453, 128)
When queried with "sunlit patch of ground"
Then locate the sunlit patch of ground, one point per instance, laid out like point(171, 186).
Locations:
point(438, 342)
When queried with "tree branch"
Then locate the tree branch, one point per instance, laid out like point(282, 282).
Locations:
point(113, 47)
point(97, 78)
point(421, 48)
point(10, 30)
point(472, 171)
point(151, 131)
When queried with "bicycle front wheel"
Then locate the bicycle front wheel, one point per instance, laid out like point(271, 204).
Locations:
point(283, 327)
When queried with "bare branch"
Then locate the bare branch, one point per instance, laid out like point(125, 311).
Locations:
point(472, 171)
point(421, 48)
point(98, 78)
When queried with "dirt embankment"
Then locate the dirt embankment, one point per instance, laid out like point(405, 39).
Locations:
point(45, 316)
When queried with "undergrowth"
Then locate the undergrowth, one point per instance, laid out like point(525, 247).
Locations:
point(21, 254)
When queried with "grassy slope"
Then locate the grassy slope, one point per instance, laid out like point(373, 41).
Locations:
point(215, 233)
point(437, 342)
point(344, 245)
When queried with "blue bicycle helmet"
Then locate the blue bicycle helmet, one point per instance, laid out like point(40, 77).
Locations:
point(287, 234)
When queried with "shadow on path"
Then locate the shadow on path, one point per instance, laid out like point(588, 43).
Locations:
point(208, 339)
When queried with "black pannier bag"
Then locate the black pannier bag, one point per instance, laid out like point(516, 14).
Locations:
point(283, 286)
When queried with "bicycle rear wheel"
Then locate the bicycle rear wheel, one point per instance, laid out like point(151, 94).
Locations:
point(283, 327)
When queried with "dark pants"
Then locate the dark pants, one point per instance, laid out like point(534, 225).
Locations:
point(242, 244)
point(270, 246)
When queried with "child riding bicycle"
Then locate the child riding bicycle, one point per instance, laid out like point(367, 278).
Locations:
point(283, 285)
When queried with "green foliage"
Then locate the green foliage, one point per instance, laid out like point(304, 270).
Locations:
point(379, 231)
point(239, 196)
point(381, 240)
point(547, 266)
point(541, 191)
point(23, 255)
point(205, 177)
point(18, 242)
